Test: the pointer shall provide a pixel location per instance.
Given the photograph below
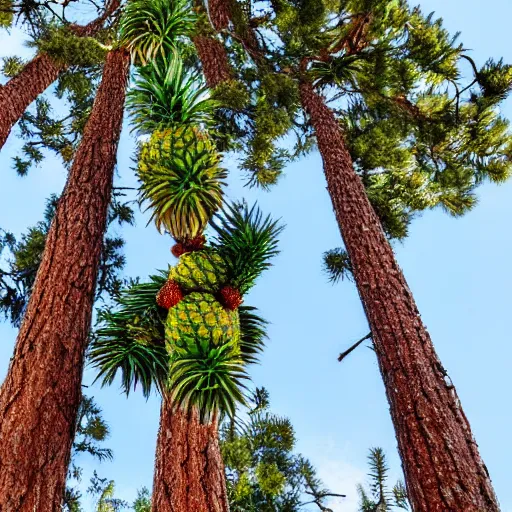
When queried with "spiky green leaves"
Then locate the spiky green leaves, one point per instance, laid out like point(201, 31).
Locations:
point(208, 376)
point(253, 332)
point(130, 339)
point(164, 96)
point(247, 242)
point(150, 28)
point(182, 180)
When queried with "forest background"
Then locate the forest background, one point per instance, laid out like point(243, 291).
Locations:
point(458, 269)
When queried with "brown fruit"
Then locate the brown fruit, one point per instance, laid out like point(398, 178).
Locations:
point(169, 295)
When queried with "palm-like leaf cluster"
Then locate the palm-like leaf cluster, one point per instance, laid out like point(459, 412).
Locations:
point(149, 28)
point(130, 339)
point(207, 376)
point(246, 241)
point(182, 181)
point(253, 332)
point(165, 96)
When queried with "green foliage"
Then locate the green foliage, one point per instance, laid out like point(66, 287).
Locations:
point(22, 259)
point(263, 473)
point(91, 432)
point(143, 501)
point(43, 131)
point(253, 332)
point(6, 13)
point(207, 376)
point(337, 265)
point(182, 180)
point(423, 132)
point(246, 241)
point(69, 49)
point(164, 96)
point(151, 28)
point(104, 490)
point(130, 339)
point(380, 498)
point(11, 66)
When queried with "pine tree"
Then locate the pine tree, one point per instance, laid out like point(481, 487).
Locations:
point(40, 396)
point(36, 76)
point(263, 472)
point(399, 131)
point(380, 498)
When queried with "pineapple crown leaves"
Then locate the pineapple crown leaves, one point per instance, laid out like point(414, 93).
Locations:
point(181, 180)
point(130, 339)
point(253, 332)
point(207, 376)
point(164, 96)
point(247, 241)
point(149, 28)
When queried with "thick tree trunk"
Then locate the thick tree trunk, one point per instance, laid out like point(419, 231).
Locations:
point(36, 76)
point(41, 393)
point(23, 89)
point(442, 465)
point(214, 60)
point(189, 472)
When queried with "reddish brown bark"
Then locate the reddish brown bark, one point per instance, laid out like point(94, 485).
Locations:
point(442, 465)
point(41, 393)
point(214, 60)
point(220, 13)
point(189, 472)
point(36, 77)
point(23, 89)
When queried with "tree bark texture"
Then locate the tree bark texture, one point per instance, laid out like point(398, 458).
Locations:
point(214, 60)
point(41, 393)
point(36, 76)
point(441, 462)
point(23, 89)
point(220, 13)
point(189, 472)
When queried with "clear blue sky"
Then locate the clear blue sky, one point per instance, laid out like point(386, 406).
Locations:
point(459, 271)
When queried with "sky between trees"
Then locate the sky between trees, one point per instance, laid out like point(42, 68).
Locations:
point(457, 269)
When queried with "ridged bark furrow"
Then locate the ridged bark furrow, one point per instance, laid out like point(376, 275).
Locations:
point(214, 60)
point(23, 89)
point(220, 13)
point(442, 465)
point(41, 393)
point(189, 472)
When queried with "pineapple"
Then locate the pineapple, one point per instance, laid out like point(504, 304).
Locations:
point(200, 317)
point(182, 180)
point(200, 271)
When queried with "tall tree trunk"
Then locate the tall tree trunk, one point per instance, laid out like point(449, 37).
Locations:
point(41, 393)
point(442, 465)
point(214, 60)
point(189, 472)
point(23, 89)
point(36, 76)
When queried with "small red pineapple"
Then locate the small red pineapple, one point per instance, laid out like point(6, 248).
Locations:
point(231, 298)
point(178, 249)
point(195, 244)
point(169, 295)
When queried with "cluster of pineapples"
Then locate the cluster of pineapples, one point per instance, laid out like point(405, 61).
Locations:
point(182, 181)
point(189, 334)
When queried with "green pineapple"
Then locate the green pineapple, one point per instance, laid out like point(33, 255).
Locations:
point(204, 271)
point(182, 180)
point(200, 317)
